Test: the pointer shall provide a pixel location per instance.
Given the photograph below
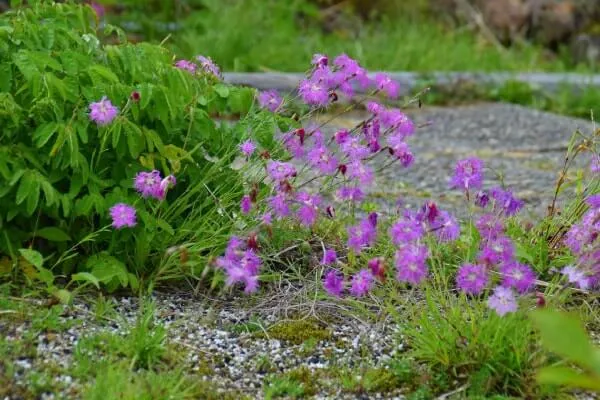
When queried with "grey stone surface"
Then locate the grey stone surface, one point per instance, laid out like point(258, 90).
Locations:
point(524, 146)
point(550, 82)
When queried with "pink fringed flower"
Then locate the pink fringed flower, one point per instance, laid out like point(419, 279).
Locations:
point(123, 215)
point(103, 112)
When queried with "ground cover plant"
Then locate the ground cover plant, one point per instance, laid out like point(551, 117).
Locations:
point(119, 171)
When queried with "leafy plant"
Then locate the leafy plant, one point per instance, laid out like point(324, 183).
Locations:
point(563, 334)
point(60, 172)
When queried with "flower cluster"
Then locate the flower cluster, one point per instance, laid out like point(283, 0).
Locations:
point(325, 81)
point(241, 264)
point(199, 64)
point(496, 249)
point(583, 239)
point(151, 184)
point(341, 166)
point(147, 184)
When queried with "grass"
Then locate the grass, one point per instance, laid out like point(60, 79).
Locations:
point(290, 32)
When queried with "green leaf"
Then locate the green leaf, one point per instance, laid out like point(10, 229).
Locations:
point(164, 225)
point(564, 335)
point(53, 234)
point(63, 295)
point(44, 133)
point(27, 188)
point(103, 72)
point(145, 94)
point(107, 269)
point(135, 140)
point(6, 77)
point(565, 376)
point(222, 90)
point(86, 277)
point(33, 257)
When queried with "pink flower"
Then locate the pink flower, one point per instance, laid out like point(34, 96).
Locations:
point(245, 204)
point(123, 215)
point(279, 171)
point(363, 173)
point(405, 231)
point(377, 267)
point(496, 251)
point(352, 194)
point(307, 212)
point(518, 276)
point(411, 263)
point(279, 205)
point(362, 282)
point(270, 99)
point(334, 283)
point(472, 278)
point(320, 60)
point(323, 160)
point(186, 66)
point(384, 83)
point(98, 8)
point(576, 276)
point(248, 148)
point(468, 174)
point(314, 93)
point(329, 257)
point(502, 301)
point(148, 183)
point(103, 112)
point(208, 65)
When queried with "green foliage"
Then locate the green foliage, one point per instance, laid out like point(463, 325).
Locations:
point(60, 172)
point(291, 32)
point(563, 335)
point(464, 339)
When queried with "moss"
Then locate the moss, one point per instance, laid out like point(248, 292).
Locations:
point(298, 331)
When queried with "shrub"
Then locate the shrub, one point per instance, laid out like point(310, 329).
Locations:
point(64, 162)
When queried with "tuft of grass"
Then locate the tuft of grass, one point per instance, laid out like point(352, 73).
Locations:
point(495, 355)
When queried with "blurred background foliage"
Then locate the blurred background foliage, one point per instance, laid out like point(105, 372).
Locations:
point(417, 35)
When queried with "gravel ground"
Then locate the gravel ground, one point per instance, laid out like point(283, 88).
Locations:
point(203, 328)
point(527, 146)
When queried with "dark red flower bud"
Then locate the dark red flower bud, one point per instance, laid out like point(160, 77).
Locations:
point(265, 155)
point(343, 168)
point(330, 212)
point(541, 300)
point(333, 96)
point(301, 133)
point(135, 96)
point(252, 241)
point(254, 193)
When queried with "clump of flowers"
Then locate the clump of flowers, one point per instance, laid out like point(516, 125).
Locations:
point(583, 239)
point(200, 64)
point(151, 184)
point(339, 166)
